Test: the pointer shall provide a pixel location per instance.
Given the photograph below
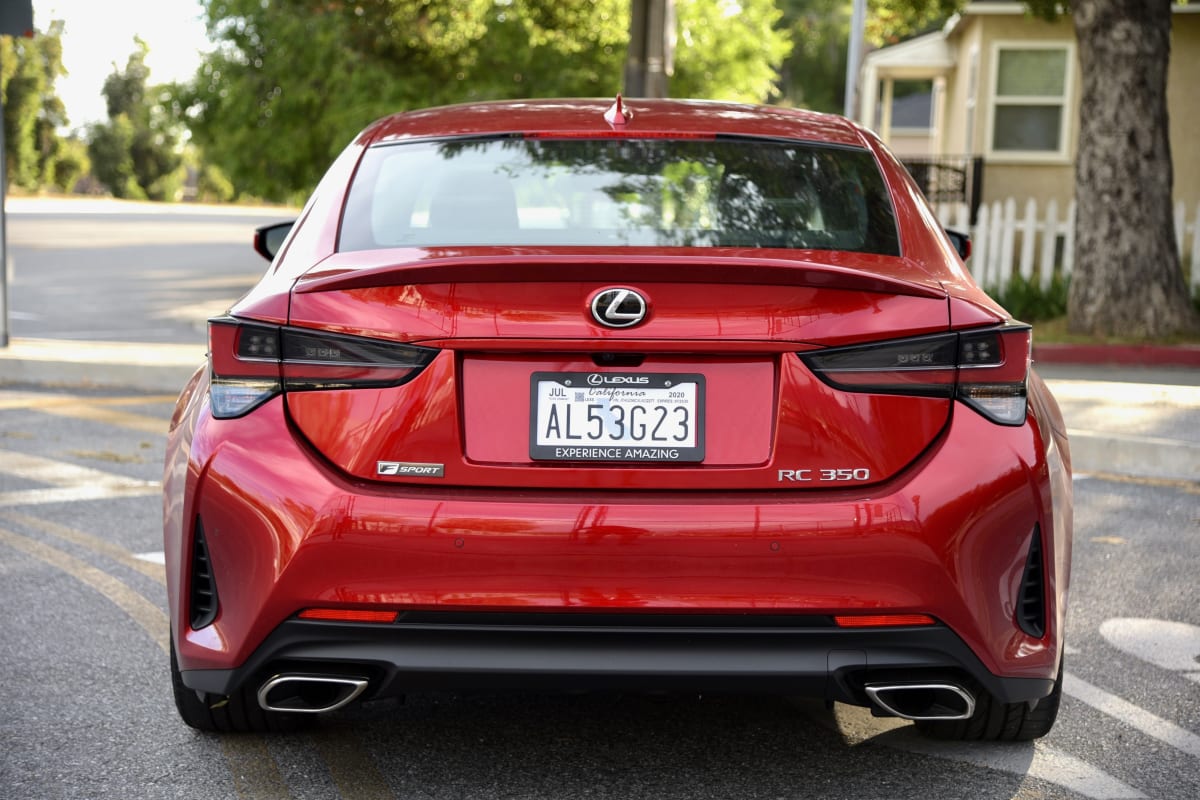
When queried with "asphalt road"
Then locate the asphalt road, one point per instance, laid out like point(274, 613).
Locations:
point(86, 711)
point(99, 270)
point(85, 705)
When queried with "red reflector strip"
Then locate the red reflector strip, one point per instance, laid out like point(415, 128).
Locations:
point(883, 620)
point(348, 615)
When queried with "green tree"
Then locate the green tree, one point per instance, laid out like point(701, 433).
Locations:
point(891, 21)
point(110, 147)
point(70, 163)
point(728, 49)
point(32, 111)
point(136, 154)
point(290, 83)
point(814, 74)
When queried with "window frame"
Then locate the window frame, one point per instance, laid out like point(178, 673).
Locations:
point(1065, 101)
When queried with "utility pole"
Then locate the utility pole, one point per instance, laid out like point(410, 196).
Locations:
point(648, 65)
point(16, 19)
point(854, 55)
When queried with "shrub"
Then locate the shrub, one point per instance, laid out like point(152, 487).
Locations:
point(1028, 302)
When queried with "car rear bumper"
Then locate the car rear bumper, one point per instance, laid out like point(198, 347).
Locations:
point(780, 654)
point(948, 537)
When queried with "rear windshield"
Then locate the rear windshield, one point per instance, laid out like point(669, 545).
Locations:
point(724, 192)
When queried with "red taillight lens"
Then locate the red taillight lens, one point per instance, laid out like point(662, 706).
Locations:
point(986, 369)
point(993, 367)
point(252, 362)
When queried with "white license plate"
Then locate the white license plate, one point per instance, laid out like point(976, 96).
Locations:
point(616, 416)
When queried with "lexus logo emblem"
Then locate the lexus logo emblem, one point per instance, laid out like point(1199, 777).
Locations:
point(619, 308)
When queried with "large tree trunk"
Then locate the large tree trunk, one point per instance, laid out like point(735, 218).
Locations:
point(1127, 279)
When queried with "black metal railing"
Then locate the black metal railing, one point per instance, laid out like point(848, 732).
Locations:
point(949, 179)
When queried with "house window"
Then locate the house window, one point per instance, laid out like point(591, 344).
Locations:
point(1029, 104)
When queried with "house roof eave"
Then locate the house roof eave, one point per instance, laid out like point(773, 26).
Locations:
point(927, 55)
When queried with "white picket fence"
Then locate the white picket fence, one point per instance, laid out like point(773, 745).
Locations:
point(1041, 243)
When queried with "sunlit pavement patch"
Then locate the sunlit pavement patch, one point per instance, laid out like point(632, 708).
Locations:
point(1034, 760)
point(1173, 646)
point(70, 482)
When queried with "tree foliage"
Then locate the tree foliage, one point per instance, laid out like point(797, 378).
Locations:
point(136, 154)
point(814, 74)
point(728, 49)
point(891, 21)
point(33, 112)
point(291, 81)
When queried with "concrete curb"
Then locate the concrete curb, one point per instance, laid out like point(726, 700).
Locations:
point(1139, 355)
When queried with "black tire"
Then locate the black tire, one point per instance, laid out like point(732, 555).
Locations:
point(238, 713)
point(1000, 722)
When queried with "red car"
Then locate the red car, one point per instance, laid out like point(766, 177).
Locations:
point(662, 395)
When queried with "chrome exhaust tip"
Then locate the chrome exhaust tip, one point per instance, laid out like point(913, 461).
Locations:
point(309, 694)
point(922, 701)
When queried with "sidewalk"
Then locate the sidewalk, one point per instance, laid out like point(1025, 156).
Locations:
point(1139, 419)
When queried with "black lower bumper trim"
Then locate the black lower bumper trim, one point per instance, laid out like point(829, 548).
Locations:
point(817, 661)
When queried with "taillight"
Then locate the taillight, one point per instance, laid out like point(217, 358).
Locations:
point(986, 369)
point(252, 362)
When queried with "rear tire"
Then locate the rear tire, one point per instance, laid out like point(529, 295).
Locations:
point(237, 713)
point(994, 721)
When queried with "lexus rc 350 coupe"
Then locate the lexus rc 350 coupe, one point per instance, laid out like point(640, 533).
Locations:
point(654, 395)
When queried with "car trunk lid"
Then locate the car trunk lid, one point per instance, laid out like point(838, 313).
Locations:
point(530, 389)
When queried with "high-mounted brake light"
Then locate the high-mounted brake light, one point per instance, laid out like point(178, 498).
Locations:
point(985, 369)
point(252, 362)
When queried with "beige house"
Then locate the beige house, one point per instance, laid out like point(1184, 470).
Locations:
point(1005, 88)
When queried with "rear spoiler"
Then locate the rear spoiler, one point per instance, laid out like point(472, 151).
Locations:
point(839, 270)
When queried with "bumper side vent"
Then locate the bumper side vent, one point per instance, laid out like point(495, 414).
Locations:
point(1031, 599)
point(203, 595)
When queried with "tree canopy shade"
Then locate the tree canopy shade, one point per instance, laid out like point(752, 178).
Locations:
point(291, 81)
point(33, 111)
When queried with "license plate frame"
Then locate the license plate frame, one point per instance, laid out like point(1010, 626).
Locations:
point(665, 435)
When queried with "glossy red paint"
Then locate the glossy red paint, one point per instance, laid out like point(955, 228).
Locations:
point(811, 501)
point(920, 543)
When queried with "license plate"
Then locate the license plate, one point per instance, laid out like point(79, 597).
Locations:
point(611, 416)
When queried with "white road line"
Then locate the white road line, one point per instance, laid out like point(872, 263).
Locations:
point(1044, 763)
point(71, 482)
point(153, 558)
point(73, 494)
point(856, 725)
point(1170, 645)
point(1156, 727)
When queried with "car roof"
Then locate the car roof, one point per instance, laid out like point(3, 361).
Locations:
point(584, 116)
